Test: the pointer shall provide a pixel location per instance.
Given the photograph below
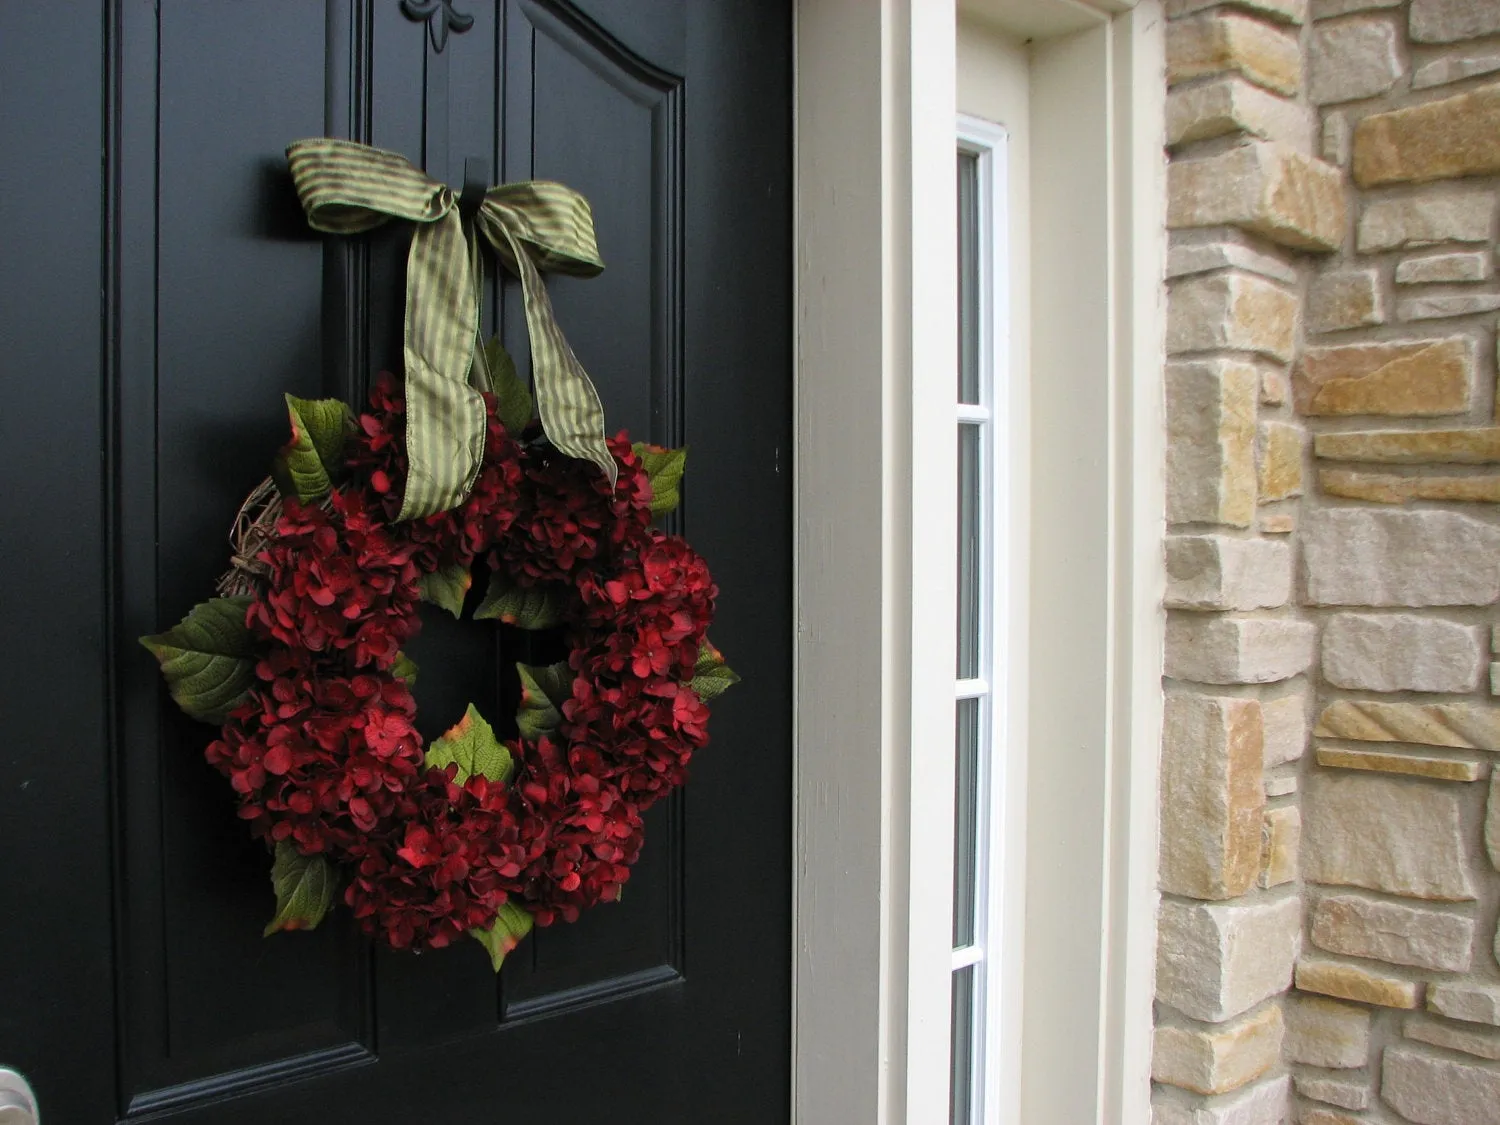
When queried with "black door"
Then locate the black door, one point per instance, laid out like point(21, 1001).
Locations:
point(160, 290)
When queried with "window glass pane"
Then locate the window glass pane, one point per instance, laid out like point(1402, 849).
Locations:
point(961, 1088)
point(968, 277)
point(969, 577)
point(965, 822)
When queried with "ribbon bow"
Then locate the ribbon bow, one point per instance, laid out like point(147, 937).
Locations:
point(346, 188)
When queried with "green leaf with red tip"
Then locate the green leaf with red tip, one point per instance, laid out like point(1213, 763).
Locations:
point(510, 926)
point(543, 690)
point(405, 669)
point(305, 467)
point(208, 658)
point(529, 607)
point(471, 745)
point(512, 396)
point(447, 587)
point(711, 676)
point(664, 467)
point(305, 887)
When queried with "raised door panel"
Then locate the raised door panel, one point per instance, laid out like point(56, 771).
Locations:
point(220, 285)
point(590, 113)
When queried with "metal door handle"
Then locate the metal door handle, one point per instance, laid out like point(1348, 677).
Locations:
point(17, 1102)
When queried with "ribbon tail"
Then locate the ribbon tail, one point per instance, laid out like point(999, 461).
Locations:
point(571, 414)
point(445, 428)
point(445, 417)
point(481, 378)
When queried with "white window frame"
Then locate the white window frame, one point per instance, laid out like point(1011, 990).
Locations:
point(874, 584)
point(987, 141)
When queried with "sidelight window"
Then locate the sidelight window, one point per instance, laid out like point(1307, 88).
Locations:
point(980, 670)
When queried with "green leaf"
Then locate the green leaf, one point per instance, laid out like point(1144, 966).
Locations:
point(711, 676)
point(208, 658)
point(664, 467)
point(512, 396)
point(405, 669)
point(543, 690)
point(472, 745)
point(530, 607)
point(305, 886)
point(305, 466)
point(510, 926)
point(447, 587)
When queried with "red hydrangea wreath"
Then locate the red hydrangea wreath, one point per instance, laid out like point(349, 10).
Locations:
point(302, 665)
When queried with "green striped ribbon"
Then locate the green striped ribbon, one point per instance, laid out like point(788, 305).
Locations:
point(534, 227)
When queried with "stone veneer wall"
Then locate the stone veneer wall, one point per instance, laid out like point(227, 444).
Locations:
point(1330, 813)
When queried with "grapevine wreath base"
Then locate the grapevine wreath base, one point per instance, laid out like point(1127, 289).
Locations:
point(301, 663)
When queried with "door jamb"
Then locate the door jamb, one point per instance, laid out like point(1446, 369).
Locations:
point(874, 578)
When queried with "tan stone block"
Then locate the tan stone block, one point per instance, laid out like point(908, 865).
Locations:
point(1265, 188)
point(1226, 42)
point(1344, 299)
point(1231, 311)
point(1204, 251)
point(1283, 786)
point(1237, 650)
point(1352, 59)
point(1328, 9)
point(1494, 678)
point(1455, 68)
point(1355, 982)
point(1473, 1001)
point(1279, 839)
point(1463, 726)
point(1311, 1115)
point(1273, 387)
point(1436, 268)
point(1380, 557)
point(1262, 1103)
point(1401, 652)
point(1211, 442)
point(1440, 306)
point(1337, 136)
point(1217, 572)
point(1410, 377)
point(1412, 765)
point(1278, 523)
point(1477, 446)
point(1433, 1090)
point(1284, 720)
point(1212, 799)
point(1342, 1092)
point(1457, 136)
point(1281, 448)
point(1395, 835)
point(1447, 21)
point(1426, 219)
point(1326, 1033)
point(1216, 960)
point(1286, 11)
point(1230, 105)
point(1216, 1060)
point(1483, 1042)
point(1492, 822)
point(1386, 931)
point(1385, 488)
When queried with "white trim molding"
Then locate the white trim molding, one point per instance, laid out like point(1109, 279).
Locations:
point(875, 467)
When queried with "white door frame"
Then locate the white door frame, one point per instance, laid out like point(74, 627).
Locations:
point(875, 472)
